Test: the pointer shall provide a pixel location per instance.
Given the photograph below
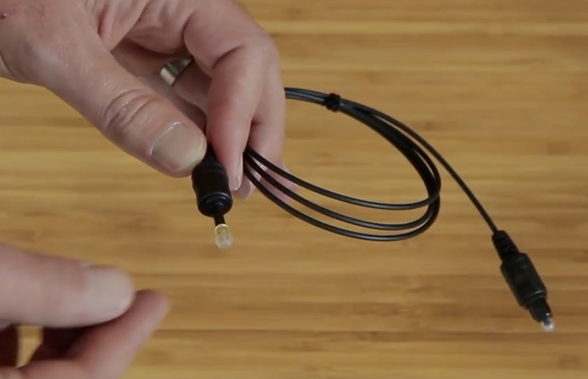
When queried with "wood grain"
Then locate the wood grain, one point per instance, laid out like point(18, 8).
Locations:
point(499, 87)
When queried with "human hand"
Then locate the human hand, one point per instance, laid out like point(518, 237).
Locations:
point(68, 46)
point(93, 322)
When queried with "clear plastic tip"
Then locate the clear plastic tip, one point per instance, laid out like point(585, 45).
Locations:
point(548, 325)
point(222, 236)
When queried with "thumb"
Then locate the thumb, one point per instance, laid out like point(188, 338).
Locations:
point(126, 110)
point(56, 292)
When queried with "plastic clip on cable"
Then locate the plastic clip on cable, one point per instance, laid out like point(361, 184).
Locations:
point(214, 198)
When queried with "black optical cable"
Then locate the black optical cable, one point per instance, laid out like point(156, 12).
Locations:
point(210, 183)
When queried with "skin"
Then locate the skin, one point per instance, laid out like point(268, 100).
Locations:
point(102, 57)
point(93, 321)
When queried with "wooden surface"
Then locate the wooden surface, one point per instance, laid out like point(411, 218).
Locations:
point(499, 86)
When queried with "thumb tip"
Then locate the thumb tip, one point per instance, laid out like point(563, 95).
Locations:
point(109, 291)
point(179, 148)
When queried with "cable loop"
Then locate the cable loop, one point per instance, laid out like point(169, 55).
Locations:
point(405, 140)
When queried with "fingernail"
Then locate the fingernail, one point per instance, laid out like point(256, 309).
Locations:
point(109, 291)
point(248, 191)
point(179, 148)
point(245, 190)
point(235, 185)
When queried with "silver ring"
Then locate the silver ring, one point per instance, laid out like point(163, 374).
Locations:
point(171, 71)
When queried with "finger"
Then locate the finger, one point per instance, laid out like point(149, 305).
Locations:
point(9, 346)
point(267, 133)
point(125, 109)
point(107, 350)
point(103, 351)
point(191, 110)
point(193, 86)
point(238, 58)
point(147, 65)
point(57, 292)
point(140, 61)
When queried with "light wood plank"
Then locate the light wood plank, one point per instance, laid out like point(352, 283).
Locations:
point(499, 87)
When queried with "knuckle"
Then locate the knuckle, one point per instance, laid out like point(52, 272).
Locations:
point(124, 111)
point(265, 46)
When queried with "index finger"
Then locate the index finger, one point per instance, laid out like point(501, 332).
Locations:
point(104, 351)
point(239, 55)
point(56, 292)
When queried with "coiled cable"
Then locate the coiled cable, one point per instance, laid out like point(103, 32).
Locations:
point(210, 183)
point(403, 138)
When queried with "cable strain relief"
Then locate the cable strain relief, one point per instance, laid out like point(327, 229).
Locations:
point(333, 102)
point(504, 245)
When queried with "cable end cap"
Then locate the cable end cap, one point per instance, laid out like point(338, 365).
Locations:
point(222, 236)
point(548, 325)
point(541, 312)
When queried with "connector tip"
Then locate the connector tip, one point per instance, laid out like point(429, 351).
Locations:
point(222, 236)
point(548, 325)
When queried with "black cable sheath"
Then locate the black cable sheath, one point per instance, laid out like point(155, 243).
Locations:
point(403, 138)
point(211, 186)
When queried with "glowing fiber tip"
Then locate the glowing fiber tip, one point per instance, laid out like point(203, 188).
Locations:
point(222, 236)
point(548, 325)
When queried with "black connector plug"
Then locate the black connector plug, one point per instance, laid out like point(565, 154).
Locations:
point(524, 280)
point(213, 195)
